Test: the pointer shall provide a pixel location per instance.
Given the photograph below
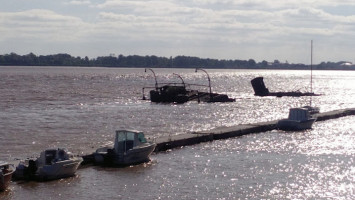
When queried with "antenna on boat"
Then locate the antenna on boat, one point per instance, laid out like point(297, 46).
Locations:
point(155, 77)
point(180, 78)
point(209, 80)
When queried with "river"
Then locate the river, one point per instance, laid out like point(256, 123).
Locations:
point(80, 108)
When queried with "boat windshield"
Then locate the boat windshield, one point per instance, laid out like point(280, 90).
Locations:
point(121, 136)
point(125, 140)
point(125, 136)
point(141, 138)
point(50, 156)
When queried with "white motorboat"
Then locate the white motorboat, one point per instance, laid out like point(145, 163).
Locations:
point(130, 147)
point(51, 164)
point(6, 171)
point(298, 119)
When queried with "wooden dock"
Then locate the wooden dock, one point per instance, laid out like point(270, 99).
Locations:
point(175, 141)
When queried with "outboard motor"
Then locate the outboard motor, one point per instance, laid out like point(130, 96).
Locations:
point(259, 86)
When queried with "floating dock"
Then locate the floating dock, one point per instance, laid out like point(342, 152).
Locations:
point(175, 141)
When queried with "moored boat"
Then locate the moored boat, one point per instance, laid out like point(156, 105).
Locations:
point(51, 164)
point(130, 147)
point(6, 171)
point(298, 119)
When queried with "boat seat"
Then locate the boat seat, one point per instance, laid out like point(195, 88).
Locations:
point(49, 156)
point(129, 144)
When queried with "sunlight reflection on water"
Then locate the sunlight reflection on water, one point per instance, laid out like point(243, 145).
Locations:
point(79, 108)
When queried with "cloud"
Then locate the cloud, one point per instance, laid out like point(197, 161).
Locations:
point(39, 23)
point(79, 2)
point(224, 28)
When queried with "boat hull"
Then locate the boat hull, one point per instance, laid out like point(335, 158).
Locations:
point(134, 156)
point(61, 169)
point(294, 125)
point(131, 157)
point(57, 170)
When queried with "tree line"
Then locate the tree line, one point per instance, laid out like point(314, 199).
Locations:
point(136, 61)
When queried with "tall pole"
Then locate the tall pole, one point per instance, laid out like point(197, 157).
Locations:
point(209, 80)
point(311, 65)
point(155, 77)
point(310, 101)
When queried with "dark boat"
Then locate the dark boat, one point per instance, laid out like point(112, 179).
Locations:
point(169, 94)
point(178, 93)
point(261, 90)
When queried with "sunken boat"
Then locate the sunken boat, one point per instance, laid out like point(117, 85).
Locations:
point(261, 90)
point(179, 92)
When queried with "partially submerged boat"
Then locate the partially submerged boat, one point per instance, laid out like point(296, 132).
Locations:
point(169, 94)
point(51, 164)
point(261, 90)
point(130, 147)
point(298, 119)
point(179, 93)
point(6, 171)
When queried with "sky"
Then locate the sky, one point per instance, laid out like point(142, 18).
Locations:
point(219, 29)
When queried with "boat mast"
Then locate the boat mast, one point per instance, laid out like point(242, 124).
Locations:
point(310, 101)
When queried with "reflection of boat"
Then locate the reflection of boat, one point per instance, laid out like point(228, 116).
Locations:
point(130, 147)
point(6, 171)
point(51, 164)
point(298, 119)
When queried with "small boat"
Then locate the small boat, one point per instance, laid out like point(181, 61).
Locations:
point(298, 119)
point(130, 147)
point(51, 164)
point(6, 171)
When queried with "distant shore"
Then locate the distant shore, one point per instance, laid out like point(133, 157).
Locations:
point(135, 61)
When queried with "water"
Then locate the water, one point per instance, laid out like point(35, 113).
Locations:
point(79, 108)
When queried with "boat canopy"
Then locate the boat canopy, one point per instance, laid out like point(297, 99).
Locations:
point(52, 155)
point(127, 139)
point(298, 114)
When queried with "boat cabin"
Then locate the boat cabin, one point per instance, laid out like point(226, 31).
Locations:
point(4, 168)
point(299, 114)
point(126, 140)
point(49, 156)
